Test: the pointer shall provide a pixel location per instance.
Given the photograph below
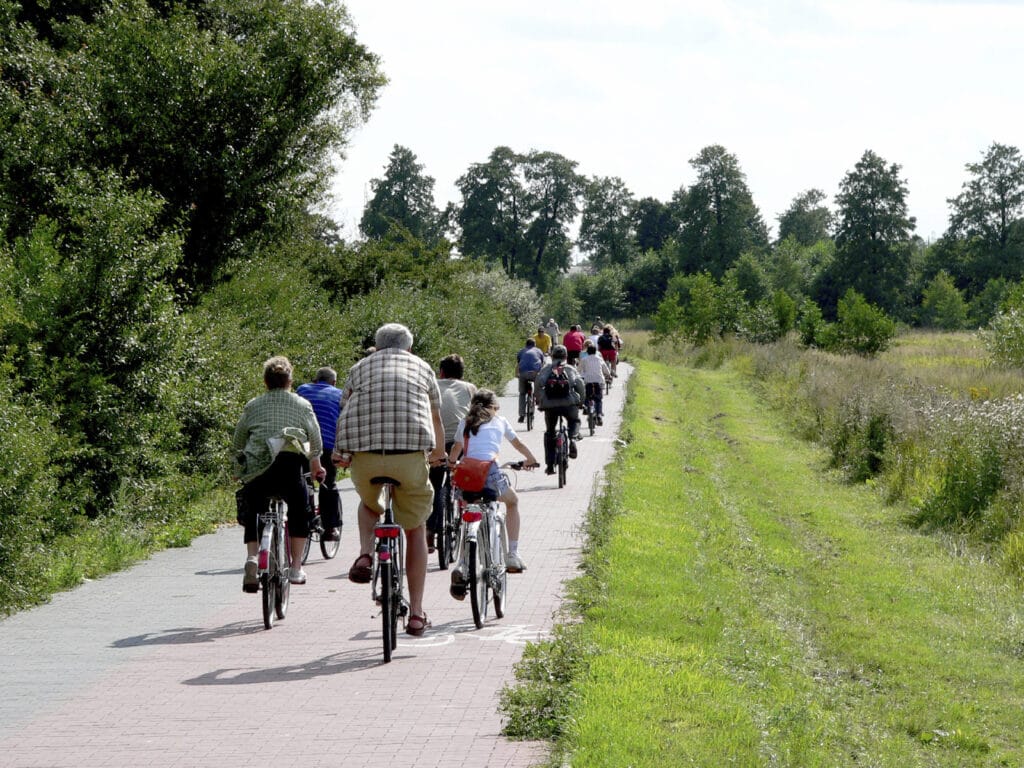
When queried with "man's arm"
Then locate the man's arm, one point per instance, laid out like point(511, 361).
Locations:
point(437, 454)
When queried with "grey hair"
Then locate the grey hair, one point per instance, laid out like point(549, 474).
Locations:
point(394, 336)
point(328, 375)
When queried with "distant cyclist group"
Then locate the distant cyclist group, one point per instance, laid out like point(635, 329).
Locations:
point(397, 423)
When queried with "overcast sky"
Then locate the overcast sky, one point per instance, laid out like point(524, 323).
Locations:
point(796, 90)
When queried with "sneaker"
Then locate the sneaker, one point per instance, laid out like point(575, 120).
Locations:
point(251, 580)
point(514, 563)
point(572, 449)
point(296, 576)
point(522, 419)
point(600, 421)
point(549, 469)
point(459, 586)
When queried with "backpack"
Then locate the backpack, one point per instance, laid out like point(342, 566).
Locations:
point(557, 386)
point(605, 341)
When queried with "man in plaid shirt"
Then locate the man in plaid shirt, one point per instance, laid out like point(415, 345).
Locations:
point(390, 420)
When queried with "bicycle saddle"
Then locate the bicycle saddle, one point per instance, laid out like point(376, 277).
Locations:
point(384, 479)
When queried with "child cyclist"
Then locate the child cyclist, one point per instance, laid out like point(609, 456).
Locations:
point(480, 435)
point(594, 371)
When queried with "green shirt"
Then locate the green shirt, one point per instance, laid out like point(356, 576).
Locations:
point(278, 420)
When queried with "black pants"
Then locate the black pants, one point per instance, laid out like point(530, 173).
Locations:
point(437, 480)
point(282, 478)
point(572, 416)
point(330, 499)
point(595, 392)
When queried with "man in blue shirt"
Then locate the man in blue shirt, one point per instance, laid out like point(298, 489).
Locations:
point(325, 398)
point(529, 361)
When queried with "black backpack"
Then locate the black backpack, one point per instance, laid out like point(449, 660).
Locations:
point(557, 387)
point(605, 341)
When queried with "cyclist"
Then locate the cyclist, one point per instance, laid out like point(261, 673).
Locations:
point(275, 435)
point(325, 398)
point(561, 400)
point(552, 328)
point(529, 361)
point(542, 340)
point(480, 434)
point(608, 348)
point(594, 370)
point(573, 342)
point(390, 425)
point(455, 397)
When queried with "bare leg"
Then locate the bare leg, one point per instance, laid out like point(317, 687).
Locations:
point(416, 567)
point(297, 546)
point(511, 502)
point(367, 521)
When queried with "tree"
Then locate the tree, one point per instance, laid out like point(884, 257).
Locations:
point(987, 215)
point(606, 227)
point(654, 223)
point(554, 190)
point(942, 304)
point(495, 212)
point(229, 112)
point(719, 218)
point(403, 197)
point(873, 245)
point(516, 211)
point(806, 220)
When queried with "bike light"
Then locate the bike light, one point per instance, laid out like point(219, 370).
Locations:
point(384, 556)
point(386, 531)
point(472, 516)
point(264, 560)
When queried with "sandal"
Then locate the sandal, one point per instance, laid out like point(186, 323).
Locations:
point(360, 574)
point(422, 622)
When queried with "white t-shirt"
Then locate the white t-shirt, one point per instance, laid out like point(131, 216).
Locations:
point(592, 369)
point(486, 443)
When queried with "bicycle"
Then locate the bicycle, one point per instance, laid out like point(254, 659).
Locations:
point(388, 569)
point(590, 408)
point(483, 540)
point(447, 537)
point(328, 547)
point(562, 449)
point(272, 561)
point(531, 406)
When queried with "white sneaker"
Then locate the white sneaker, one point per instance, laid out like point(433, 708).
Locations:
point(296, 576)
point(514, 563)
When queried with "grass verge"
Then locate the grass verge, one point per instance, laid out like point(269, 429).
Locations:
point(741, 607)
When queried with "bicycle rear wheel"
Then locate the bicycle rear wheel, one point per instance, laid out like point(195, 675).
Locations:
point(563, 458)
point(477, 584)
point(314, 530)
point(499, 544)
point(529, 414)
point(591, 420)
point(329, 547)
point(388, 609)
point(449, 529)
point(284, 586)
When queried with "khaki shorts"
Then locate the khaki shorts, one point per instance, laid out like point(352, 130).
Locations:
point(413, 499)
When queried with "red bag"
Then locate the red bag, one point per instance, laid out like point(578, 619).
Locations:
point(471, 474)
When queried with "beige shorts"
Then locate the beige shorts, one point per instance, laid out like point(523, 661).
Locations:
point(414, 497)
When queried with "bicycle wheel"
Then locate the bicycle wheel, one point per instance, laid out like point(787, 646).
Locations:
point(477, 584)
point(284, 586)
point(499, 544)
point(388, 610)
point(313, 531)
point(529, 414)
point(591, 421)
point(445, 537)
point(563, 459)
point(329, 547)
point(269, 584)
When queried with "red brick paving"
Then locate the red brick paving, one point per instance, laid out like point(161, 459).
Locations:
point(168, 664)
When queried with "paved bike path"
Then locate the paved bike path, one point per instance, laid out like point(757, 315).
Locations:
point(167, 664)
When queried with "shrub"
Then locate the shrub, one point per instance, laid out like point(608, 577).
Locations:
point(1004, 338)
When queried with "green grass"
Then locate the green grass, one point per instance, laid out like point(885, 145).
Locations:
point(742, 607)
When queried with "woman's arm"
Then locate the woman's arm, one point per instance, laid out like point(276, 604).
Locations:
point(520, 446)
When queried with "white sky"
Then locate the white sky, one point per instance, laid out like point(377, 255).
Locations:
point(797, 90)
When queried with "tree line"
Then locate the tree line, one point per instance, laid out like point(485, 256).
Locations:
point(518, 211)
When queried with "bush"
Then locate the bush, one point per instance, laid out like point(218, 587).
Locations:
point(1004, 338)
point(860, 328)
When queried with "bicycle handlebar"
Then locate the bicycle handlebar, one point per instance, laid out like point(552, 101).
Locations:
point(517, 465)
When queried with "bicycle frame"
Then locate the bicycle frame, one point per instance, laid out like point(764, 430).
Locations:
point(388, 573)
point(272, 560)
point(483, 532)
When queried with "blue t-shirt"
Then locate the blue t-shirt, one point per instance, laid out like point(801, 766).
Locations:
point(530, 360)
point(326, 401)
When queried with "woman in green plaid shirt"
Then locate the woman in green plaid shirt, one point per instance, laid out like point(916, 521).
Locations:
point(277, 432)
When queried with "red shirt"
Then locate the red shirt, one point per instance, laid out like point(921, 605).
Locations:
point(574, 341)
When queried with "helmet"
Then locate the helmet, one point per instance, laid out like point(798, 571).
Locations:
point(558, 352)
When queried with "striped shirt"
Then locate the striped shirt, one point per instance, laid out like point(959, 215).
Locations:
point(277, 413)
point(388, 403)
